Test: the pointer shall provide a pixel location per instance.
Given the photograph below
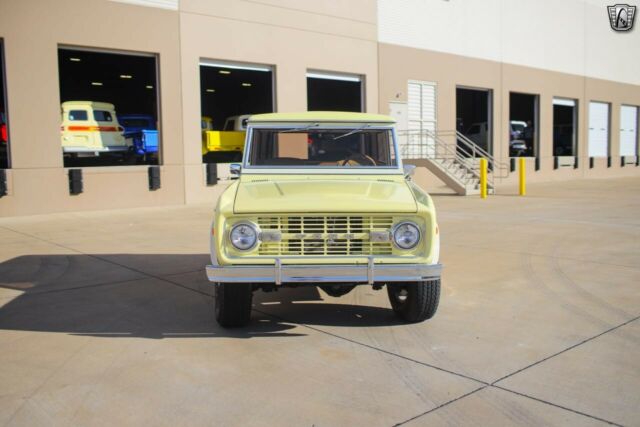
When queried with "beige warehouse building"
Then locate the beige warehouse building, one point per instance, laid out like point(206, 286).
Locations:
point(551, 76)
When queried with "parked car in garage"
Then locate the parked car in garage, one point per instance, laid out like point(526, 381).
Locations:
point(517, 148)
point(4, 140)
point(225, 145)
point(206, 123)
point(4, 137)
point(323, 199)
point(516, 129)
point(237, 123)
point(141, 134)
point(91, 129)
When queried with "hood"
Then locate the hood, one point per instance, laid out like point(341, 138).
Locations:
point(300, 195)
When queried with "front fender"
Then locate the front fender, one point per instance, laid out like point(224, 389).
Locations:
point(223, 210)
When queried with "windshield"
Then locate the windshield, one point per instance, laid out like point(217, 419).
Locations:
point(310, 146)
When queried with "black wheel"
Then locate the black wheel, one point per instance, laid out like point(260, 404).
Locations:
point(337, 290)
point(416, 301)
point(233, 304)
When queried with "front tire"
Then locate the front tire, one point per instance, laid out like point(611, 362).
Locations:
point(233, 304)
point(415, 301)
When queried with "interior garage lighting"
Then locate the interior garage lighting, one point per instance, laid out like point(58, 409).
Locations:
point(96, 83)
point(125, 76)
point(75, 59)
point(249, 67)
point(149, 87)
point(211, 90)
point(246, 84)
point(224, 72)
point(327, 76)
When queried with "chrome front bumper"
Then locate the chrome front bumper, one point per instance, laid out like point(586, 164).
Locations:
point(323, 273)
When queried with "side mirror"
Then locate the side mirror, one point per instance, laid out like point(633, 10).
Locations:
point(234, 170)
point(409, 170)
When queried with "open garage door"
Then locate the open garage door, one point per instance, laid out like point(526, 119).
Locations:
point(473, 116)
point(598, 129)
point(628, 130)
point(565, 117)
point(109, 107)
point(4, 125)
point(229, 94)
point(334, 92)
point(523, 125)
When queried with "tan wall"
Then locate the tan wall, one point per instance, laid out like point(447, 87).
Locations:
point(290, 36)
point(32, 31)
point(399, 64)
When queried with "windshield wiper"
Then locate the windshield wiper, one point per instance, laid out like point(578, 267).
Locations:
point(351, 132)
point(299, 129)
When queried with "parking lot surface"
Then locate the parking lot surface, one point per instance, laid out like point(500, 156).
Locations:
point(106, 318)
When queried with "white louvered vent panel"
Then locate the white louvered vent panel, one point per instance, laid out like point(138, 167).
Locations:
point(422, 117)
point(415, 107)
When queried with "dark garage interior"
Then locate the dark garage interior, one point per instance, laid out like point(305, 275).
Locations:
point(564, 118)
point(472, 116)
point(326, 93)
point(227, 91)
point(127, 81)
point(4, 126)
point(523, 125)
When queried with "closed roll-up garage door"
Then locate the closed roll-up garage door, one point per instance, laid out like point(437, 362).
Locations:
point(628, 130)
point(598, 129)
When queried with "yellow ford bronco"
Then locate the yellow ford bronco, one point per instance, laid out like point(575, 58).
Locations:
point(322, 198)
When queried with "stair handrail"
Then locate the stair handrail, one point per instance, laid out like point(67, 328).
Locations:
point(499, 169)
point(454, 150)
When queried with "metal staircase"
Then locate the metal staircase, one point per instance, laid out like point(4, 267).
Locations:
point(452, 157)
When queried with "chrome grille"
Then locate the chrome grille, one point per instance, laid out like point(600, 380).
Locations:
point(325, 235)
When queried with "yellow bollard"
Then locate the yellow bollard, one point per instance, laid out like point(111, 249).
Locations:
point(483, 178)
point(523, 180)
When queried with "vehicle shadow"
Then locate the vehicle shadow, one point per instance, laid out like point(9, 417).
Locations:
point(123, 295)
point(309, 306)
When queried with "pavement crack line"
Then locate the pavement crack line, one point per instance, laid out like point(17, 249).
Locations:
point(144, 273)
point(95, 285)
point(440, 406)
point(557, 406)
point(483, 383)
point(371, 347)
point(566, 349)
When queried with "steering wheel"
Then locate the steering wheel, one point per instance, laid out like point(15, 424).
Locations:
point(356, 158)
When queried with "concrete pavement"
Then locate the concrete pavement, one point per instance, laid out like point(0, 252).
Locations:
point(106, 318)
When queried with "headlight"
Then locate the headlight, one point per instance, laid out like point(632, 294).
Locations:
point(406, 235)
point(243, 236)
